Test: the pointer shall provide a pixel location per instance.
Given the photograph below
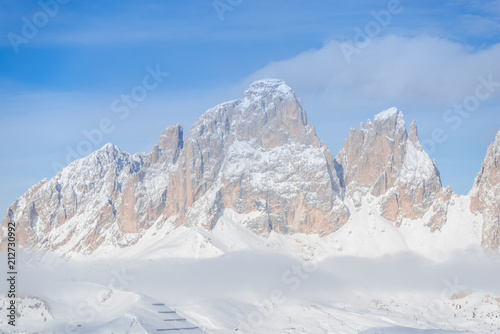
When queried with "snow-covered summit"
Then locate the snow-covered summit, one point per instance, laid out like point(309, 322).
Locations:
point(269, 87)
point(258, 153)
point(383, 160)
point(392, 119)
point(386, 114)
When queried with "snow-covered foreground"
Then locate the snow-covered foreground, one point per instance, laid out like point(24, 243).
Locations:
point(369, 277)
point(258, 292)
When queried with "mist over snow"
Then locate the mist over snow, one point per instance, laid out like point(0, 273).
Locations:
point(227, 289)
point(253, 274)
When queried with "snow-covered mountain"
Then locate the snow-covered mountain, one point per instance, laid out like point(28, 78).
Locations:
point(384, 160)
point(361, 242)
point(256, 156)
point(257, 163)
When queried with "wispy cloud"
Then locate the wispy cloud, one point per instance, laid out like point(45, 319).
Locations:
point(420, 70)
point(480, 26)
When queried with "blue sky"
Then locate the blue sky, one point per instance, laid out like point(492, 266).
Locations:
point(424, 58)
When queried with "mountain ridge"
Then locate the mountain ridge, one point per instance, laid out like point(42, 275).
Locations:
point(256, 156)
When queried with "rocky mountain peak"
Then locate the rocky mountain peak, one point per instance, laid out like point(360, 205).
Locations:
point(265, 88)
point(485, 194)
point(383, 160)
point(169, 144)
point(171, 139)
point(262, 150)
point(108, 152)
point(369, 152)
point(390, 122)
point(271, 115)
point(413, 134)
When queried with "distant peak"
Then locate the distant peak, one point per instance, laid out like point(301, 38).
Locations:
point(108, 147)
point(387, 114)
point(496, 141)
point(391, 118)
point(108, 150)
point(413, 135)
point(268, 82)
point(266, 87)
point(172, 130)
point(413, 127)
point(172, 138)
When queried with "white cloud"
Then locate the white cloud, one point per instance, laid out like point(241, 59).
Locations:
point(421, 71)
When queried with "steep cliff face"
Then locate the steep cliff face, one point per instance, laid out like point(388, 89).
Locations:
point(256, 155)
point(383, 160)
point(485, 196)
point(286, 175)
